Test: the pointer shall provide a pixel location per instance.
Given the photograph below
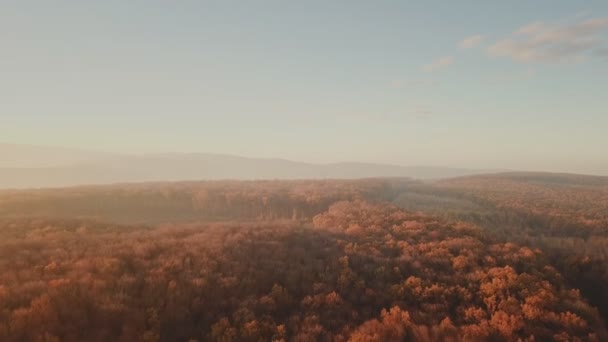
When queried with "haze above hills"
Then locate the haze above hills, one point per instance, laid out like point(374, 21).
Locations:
point(28, 166)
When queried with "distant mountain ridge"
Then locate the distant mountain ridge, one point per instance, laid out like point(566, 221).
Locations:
point(32, 167)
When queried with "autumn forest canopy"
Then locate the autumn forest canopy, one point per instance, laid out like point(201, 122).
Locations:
point(303, 171)
point(501, 257)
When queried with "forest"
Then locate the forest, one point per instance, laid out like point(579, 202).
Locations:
point(501, 257)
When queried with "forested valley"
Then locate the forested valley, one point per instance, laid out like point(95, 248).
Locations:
point(503, 257)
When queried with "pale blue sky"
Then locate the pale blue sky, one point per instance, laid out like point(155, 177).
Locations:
point(320, 81)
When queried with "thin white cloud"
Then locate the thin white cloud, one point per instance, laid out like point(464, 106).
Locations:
point(424, 82)
point(543, 43)
point(438, 64)
point(471, 42)
point(602, 52)
point(582, 14)
point(516, 76)
point(422, 112)
point(397, 84)
point(400, 83)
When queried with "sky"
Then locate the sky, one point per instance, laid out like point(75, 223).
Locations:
point(477, 84)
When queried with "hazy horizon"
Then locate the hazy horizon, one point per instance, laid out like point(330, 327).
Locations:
point(14, 161)
point(30, 166)
point(41, 156)
point(487, 85)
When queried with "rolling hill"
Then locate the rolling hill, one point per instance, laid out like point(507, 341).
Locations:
point(33, 167)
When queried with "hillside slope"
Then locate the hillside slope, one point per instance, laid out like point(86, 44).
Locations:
point(35, 167)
